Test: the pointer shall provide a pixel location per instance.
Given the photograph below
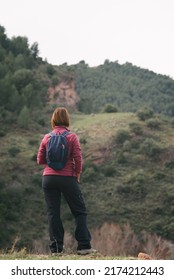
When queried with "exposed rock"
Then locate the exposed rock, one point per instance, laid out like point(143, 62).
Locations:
point(64, 94)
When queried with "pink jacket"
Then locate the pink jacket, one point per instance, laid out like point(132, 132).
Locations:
point(74, 163)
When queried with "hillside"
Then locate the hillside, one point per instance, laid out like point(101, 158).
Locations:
point(128, 154)
point(127, 179)
point(28, 84)
point(130, 172)
point(126, 86)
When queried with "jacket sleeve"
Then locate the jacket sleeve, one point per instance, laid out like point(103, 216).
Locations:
point(77, 154)
point(41, 155)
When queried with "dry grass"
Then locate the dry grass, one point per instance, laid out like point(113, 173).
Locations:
point(112, 242)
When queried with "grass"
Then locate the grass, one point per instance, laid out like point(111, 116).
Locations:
point(97, 129)
point(22, 255)
point(138, 185)
point(101, 122)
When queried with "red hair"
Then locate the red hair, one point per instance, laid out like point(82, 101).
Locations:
point(60, 116)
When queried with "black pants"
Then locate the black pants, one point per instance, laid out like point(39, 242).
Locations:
point(53, 186)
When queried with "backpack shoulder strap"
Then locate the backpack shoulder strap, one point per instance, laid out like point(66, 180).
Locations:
point(65, 133)
point(52, 133)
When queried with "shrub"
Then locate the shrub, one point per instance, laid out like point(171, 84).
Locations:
point(160, 175)
point(2, 133)
point(127, 146)
point(83, 140)
point(170, 165)
point(138, 177)
point(2, 183)
point(121, 158)
point(50, 70)
point(89, 163)
point(33, 142)
point(120, 239)
point(23, 118)
point(153, 123)
point(150, 148)
point(34, 157)
point(122, 136)
point(172, 122)
point(136, 128)
point(144, 114)
point(41, 121)
point(109, 170)
point(55, 80)
point(110, 109)
point(36, 179)
point(135, 143)
point(139, 191)
point(14, 151)
point(89, 174)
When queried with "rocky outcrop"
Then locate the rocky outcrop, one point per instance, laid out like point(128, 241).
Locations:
point(64, 94)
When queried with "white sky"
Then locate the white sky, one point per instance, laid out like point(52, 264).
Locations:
point(137, 31)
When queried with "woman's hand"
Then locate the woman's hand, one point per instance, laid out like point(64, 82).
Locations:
point(78, 177)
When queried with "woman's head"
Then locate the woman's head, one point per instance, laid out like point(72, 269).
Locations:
point(60, 116)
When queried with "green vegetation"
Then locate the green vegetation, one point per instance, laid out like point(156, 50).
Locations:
point(124, 120)
point(128, 88)
point(127, 181)
point(25, 256)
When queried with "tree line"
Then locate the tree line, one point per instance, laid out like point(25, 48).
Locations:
point(25, 79)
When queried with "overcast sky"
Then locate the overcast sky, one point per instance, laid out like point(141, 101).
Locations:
point(137, 31)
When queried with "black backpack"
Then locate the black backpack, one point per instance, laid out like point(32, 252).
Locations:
point(57, 150)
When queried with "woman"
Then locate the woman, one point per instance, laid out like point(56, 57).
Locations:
point(65, 181)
